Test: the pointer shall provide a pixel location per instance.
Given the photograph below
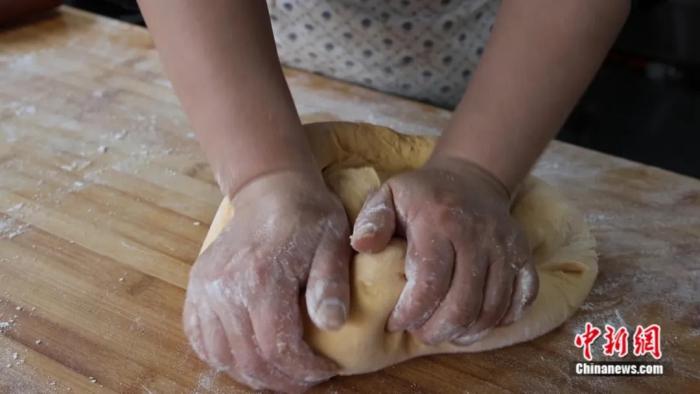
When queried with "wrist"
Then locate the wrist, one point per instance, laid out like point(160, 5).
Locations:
point(233, 178)
point(279, 188)
point(239, 158)
point(463, 166)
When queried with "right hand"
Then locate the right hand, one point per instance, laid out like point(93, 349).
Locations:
point(242, 312)
point(468, 263)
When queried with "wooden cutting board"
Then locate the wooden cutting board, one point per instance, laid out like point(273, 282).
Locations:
point(105, 198)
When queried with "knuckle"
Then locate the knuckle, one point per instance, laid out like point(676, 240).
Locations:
point(453, 219)
point(282, 350)
point(258, 273)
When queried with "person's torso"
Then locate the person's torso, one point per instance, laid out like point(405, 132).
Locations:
point(425, 50)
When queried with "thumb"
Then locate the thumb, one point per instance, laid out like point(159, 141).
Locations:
point(328, 286)
point(376, 222)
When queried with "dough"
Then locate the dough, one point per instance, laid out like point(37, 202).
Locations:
point(355, 158)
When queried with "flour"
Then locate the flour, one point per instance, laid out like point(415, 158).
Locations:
point(119, 135)
point(22, 62)
point(620, 320)
point(206, 383)
point(11, 228)
point(9, 133)
point(76, 165)
point(21, 109)
point(364, 228)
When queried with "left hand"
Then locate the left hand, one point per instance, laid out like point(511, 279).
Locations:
point(468, 263)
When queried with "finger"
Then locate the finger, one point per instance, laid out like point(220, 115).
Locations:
point(526, 287)
point(328, 287)
point(279, 330)
point(216, 346)
point(191, 325)
point(251, 369)
point(462, 304)
point(499, 287)
point(376, 222)
point(428, 267)
point(206, 335)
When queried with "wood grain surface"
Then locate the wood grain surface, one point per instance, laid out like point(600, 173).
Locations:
point(105, 198)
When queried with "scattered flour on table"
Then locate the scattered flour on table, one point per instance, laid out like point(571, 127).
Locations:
point(11, 227)
point(76, 165)
point(119, 135)
point(207, 383)
point(20, 108)
point(21, 62)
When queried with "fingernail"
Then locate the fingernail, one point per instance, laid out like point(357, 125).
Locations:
point(332, 312)
point(364, 229)
point(471, 338)
point(313, 380)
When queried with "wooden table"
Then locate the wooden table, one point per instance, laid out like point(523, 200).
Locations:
point(105, 198)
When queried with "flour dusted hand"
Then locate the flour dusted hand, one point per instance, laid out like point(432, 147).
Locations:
point(242, 312)
point(468, 264)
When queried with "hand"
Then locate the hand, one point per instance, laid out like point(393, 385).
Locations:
point(242, 312)
point(468, 264)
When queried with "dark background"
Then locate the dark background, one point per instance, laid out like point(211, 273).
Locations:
point(644, 104)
